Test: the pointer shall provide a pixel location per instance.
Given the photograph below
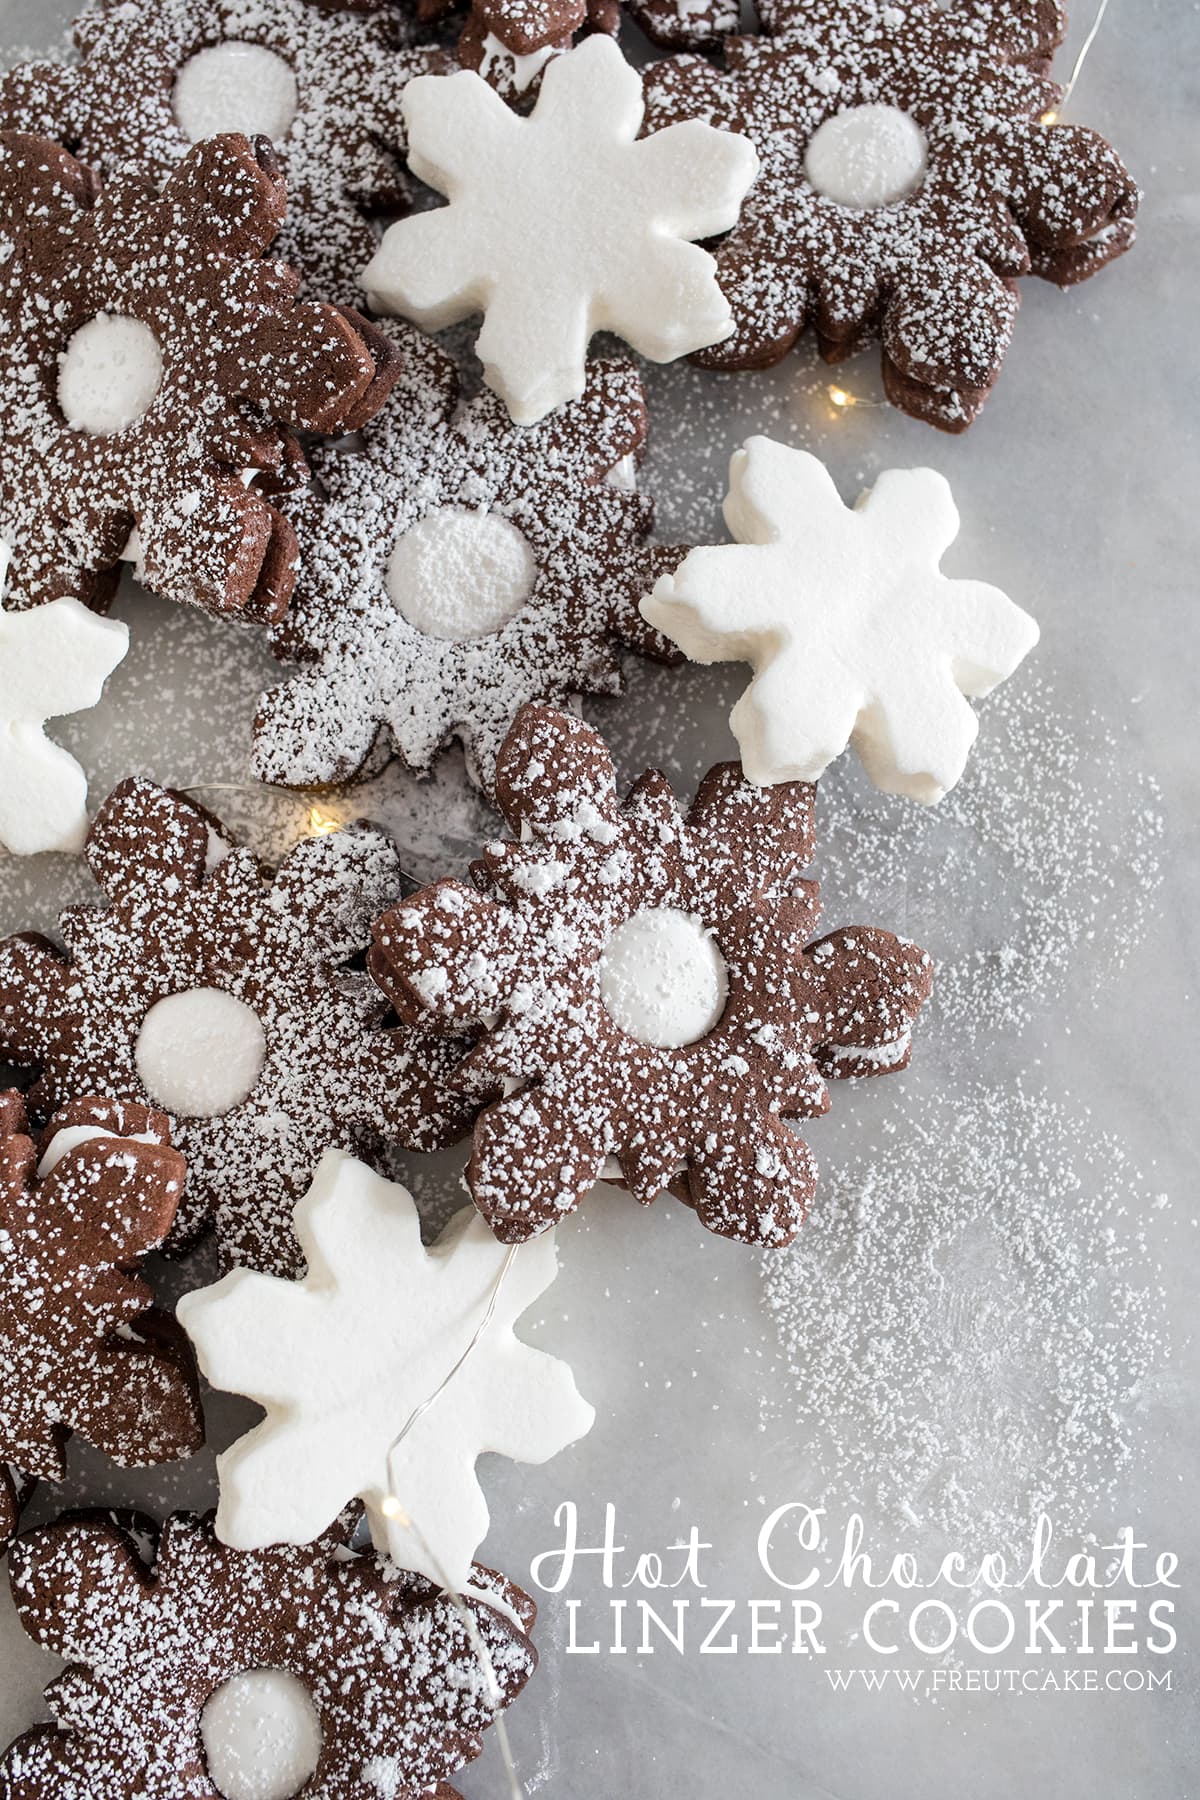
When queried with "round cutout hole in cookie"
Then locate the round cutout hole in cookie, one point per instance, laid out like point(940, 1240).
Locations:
point(867, 157)
point(109, 374)
point(261, 1735)
point(235, 87)
point(200, 1052)
point(458, 575)
point(663, 979)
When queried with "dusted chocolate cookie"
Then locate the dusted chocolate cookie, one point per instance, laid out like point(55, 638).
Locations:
point(907, 180)
point(152, 362)
point(646, 990)
point(228, 1000)
point(82, 1348)
point(212, 1672)
point(457, 567)
point(156, 76)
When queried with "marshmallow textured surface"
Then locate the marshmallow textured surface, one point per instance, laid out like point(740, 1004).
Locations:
point(853, 632)
point(346, 1359)
point(561, 224)
point(53, 661)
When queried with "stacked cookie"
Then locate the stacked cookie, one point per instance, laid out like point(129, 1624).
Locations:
point(218, 374)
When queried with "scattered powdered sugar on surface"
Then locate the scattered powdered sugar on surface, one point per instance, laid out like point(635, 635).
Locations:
point(1048, 851)
point(969, 1325)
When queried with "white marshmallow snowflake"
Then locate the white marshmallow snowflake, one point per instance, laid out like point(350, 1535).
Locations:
point(54, 660)
point(345, 1360)
point(561, 224)
point(853, 633)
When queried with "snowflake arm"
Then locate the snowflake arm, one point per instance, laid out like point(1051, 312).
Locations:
point(535, 359)
point(689, 170)
point(854, 634)
point(53, 661)
point(797, 716)
point(631, 305)
point(515, 1404)
point(286, 1474)
point(562, 224)
point(343, 1359)
point(869, 987)
point(432, 265)
point(445, 117)
point(474, 944)
point(534, 1154)
point(756, 1187)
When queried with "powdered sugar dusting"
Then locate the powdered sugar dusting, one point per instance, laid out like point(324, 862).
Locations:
point(389, 659)
point(972, 1320)
point(1051, 837)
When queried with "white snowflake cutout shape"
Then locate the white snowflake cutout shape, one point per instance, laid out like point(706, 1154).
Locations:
point(853, 632)
point(344, 1359)
point(561, 224)
point(54, 660)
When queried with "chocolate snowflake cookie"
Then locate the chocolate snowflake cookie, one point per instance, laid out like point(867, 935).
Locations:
point(910, 173)
point(460, 566)
point(646, 990)
point(228, 1000)
point(152, 364)
point(82, 1348)
point(196, 1672)
point(155, 77)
